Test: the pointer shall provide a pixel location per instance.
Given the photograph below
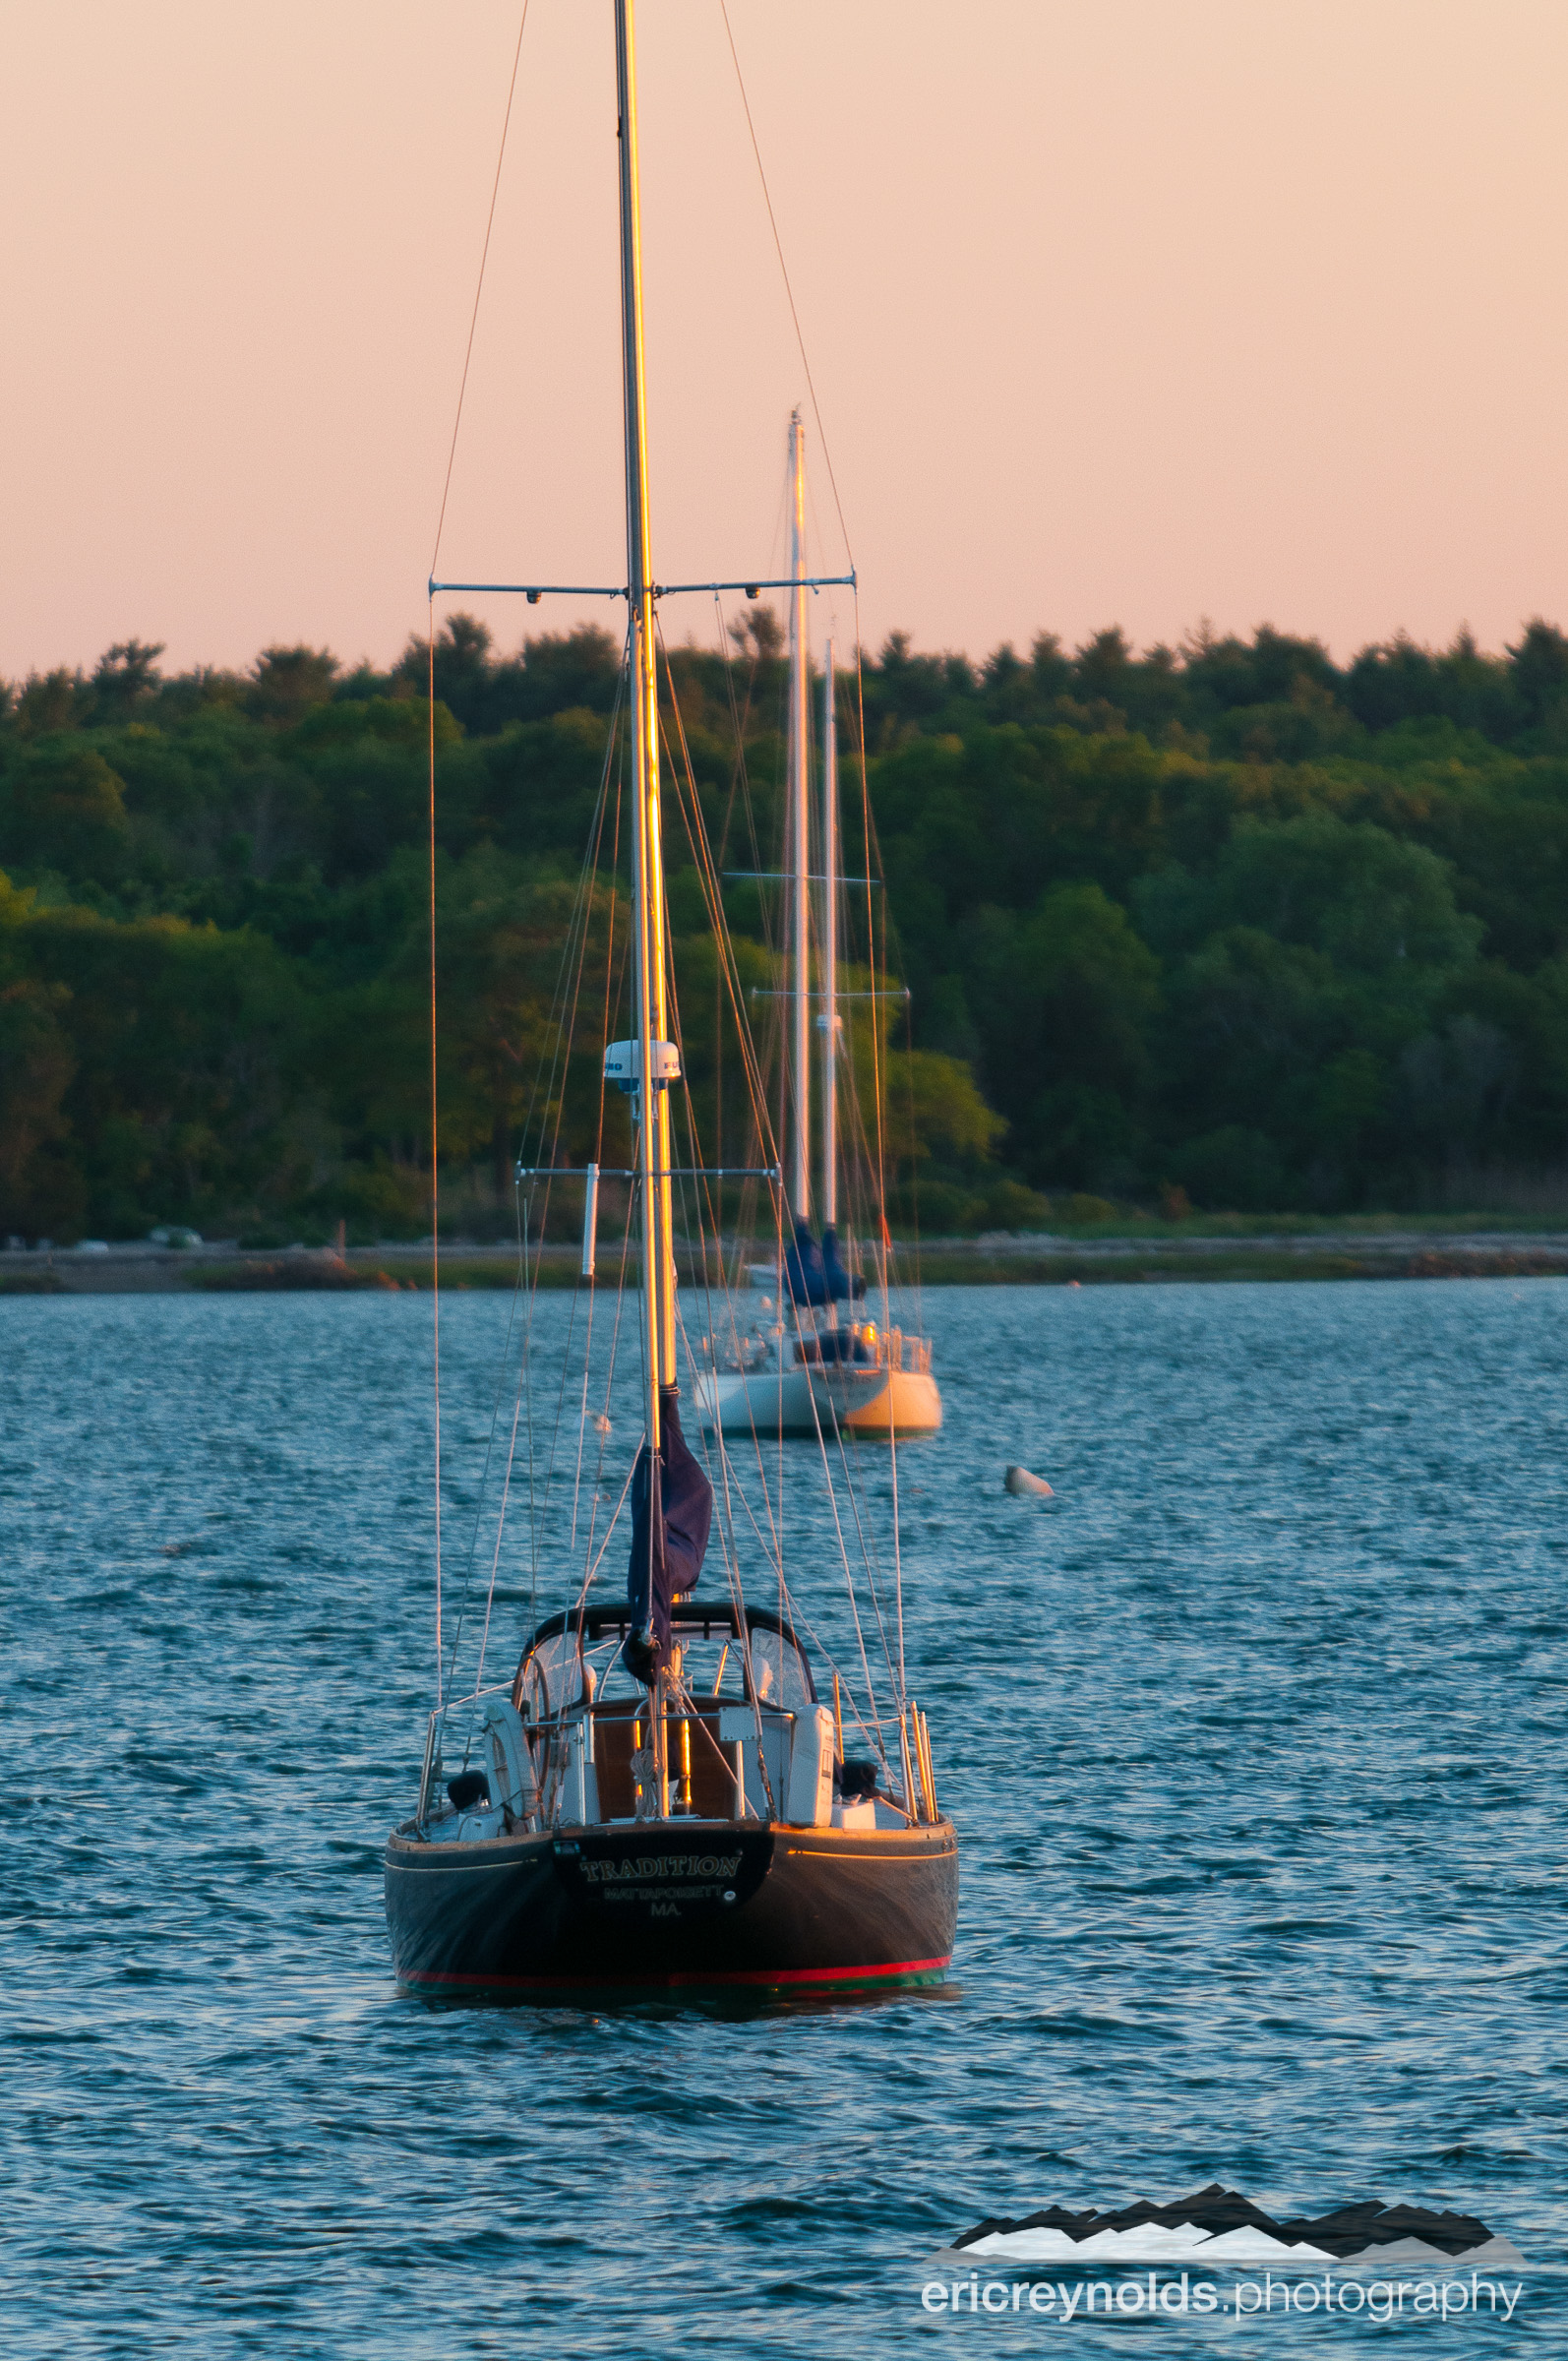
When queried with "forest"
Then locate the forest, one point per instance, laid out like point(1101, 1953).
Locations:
point(1225, 927)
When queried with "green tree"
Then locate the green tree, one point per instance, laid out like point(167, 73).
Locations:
point(62, 807)
point(37, 1065)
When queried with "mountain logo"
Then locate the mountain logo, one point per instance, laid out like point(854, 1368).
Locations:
point(1221, 2229)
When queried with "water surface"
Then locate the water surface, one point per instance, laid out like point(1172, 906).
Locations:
point(1255, 1738)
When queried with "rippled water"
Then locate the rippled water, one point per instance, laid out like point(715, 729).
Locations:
point(1255, 1737)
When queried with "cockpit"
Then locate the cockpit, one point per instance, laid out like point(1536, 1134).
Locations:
point(574, 1656)
point(743, 1736)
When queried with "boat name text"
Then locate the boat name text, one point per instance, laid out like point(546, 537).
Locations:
point(670, 1864)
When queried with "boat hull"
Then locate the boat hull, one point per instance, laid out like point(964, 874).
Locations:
point(704, 1905)
point(879, 1403)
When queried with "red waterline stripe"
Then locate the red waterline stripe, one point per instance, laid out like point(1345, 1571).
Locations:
point(733, 1976)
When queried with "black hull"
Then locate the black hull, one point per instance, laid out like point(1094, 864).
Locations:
point(705, 1905)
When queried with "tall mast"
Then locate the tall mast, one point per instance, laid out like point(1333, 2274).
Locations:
point(828, 1020)
point(647, 884)
point(800, 739)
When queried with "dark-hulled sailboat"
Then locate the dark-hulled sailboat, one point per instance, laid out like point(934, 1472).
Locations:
point(661, 1798)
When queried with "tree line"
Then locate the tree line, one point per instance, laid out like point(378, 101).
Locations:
point(1227, 925)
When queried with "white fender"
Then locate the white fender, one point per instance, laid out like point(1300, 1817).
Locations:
point(582, 1778)
point(510, 1766)
point(811, 1793)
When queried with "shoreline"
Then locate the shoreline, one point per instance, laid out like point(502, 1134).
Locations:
point(1015, 1261)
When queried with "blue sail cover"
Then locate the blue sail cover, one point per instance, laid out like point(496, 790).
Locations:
point(843, 1287)
point(671, 1509)
point(814, 1274)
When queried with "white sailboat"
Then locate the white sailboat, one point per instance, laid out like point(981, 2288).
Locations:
point(808, 1375)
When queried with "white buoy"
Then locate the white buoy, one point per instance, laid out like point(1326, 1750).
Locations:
point(1018, 1480)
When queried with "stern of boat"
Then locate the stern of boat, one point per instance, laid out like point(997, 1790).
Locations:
point(548, 1870)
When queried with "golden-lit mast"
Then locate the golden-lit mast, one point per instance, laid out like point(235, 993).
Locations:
point(799, 742)
point(652, 1096)
point(828, 1020)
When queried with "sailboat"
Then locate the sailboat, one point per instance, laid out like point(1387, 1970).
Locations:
point(825, 1367)
point(666, 1795)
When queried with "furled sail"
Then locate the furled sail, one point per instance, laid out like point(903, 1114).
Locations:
point(815, 1274)
point(671, 1508)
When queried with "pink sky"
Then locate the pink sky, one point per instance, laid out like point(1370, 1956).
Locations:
point(1136, 312)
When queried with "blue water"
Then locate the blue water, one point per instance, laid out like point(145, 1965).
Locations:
point(1255, 1738)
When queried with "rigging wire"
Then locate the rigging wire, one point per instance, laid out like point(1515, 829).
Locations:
point(609, 1378)
point(564, 1035)
point(564, 1019)
point(684, 781)
point(713, 899)
point(877, 1094)
point(501, 1526)
point(576, 933)
point(564, 1013)
point(484, 1477)
point(625, 1229)
point(479, 288)
point(441, 520)
point(568, 1029)
point(548, 1071)
point(778, 247)
point(598, 1156)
